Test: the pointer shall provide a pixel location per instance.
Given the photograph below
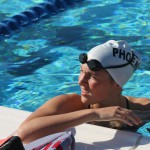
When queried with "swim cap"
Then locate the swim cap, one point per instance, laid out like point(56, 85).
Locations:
point(114, 53)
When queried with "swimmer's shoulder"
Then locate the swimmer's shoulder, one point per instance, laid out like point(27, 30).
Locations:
point(69, 100)
point(58, 105)
point(138, 103)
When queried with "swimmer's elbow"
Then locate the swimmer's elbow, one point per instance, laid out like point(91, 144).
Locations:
point(24, 132)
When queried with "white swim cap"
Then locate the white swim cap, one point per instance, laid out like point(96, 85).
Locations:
point(114, 53)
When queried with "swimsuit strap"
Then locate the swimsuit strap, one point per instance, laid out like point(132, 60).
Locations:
point(127, 103)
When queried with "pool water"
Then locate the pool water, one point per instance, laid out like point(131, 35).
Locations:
point(40, 62)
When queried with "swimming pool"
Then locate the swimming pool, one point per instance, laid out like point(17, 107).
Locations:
point(40, 62)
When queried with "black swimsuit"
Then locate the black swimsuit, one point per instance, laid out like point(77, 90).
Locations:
point(127, 127)
point(127, 103)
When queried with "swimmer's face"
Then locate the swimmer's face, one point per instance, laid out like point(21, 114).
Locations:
point(96, 86)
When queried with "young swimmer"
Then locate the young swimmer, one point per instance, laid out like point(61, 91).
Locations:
point(104, 71)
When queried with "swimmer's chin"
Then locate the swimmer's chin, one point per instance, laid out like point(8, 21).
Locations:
point(85, 100)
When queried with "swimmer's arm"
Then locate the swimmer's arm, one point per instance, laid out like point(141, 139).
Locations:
point(56, 116)
point(42, 126)
point(58, 105)
point(48, 119)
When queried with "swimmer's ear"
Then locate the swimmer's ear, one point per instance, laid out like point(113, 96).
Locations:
point(117, 87)
point(115, 84)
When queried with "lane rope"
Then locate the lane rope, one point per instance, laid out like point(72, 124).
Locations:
point(33, 14)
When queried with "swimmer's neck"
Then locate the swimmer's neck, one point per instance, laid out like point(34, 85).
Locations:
point(116, 101)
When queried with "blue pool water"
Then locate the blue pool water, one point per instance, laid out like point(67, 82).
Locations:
point(40, 62)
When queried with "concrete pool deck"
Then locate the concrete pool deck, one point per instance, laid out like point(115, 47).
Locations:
point(88, 137)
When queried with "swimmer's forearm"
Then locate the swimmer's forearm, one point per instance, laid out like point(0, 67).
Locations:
point(42, 126)
point(39, 127)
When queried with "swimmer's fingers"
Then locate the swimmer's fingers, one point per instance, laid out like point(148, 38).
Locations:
point(117, 113)
point(124, 119)
point(128, 117)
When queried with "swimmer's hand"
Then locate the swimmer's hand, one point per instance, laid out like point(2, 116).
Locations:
point(117, 113)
